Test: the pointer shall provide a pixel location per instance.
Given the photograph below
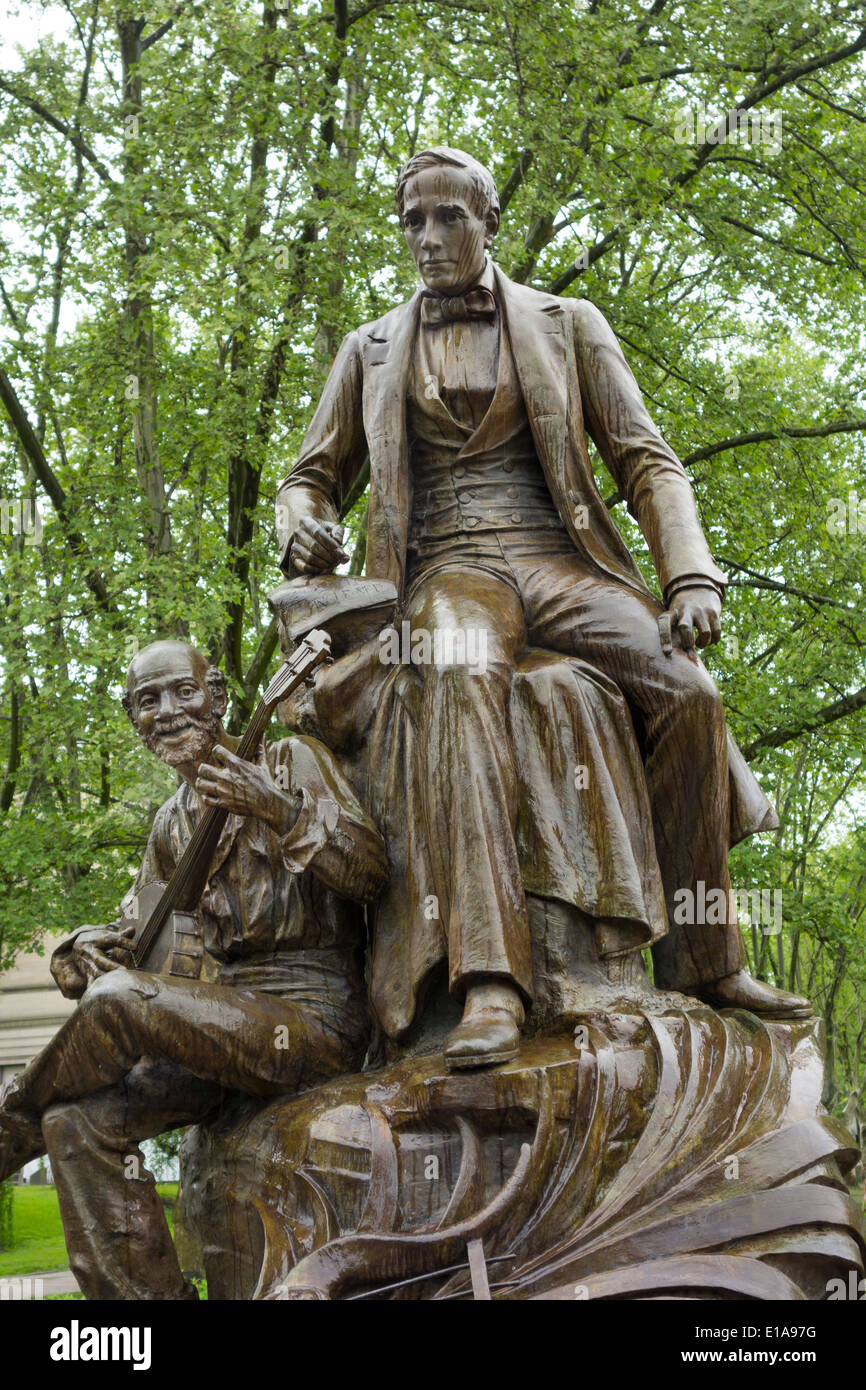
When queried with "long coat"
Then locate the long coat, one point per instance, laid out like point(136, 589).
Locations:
point(574, 380)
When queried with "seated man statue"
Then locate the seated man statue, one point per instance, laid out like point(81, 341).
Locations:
point(473, 401)
point(145, 1053)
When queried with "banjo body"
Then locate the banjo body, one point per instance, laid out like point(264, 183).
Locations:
point(176, 948)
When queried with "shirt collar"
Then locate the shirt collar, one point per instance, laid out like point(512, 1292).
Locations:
point(487, 280)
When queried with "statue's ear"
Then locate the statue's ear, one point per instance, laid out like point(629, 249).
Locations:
point(218, 692)
point(492, 224)
point(126, 701)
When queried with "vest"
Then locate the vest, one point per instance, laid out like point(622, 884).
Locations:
point(468, 480)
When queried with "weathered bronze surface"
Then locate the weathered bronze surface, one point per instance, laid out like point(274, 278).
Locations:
point(681, 1155)
point(473, 402)
point(517, 761)
point(283, 1005)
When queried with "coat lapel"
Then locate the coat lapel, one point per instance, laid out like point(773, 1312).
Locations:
point(537, 324)
point(536, 329)
point(387, 354)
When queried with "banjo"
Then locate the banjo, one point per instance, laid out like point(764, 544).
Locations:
point(168, 938)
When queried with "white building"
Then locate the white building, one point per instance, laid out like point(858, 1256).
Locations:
point(31, 1010)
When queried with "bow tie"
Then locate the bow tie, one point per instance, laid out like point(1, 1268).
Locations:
point(477, 303)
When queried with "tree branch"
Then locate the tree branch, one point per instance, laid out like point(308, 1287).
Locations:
point(258, 667)
point(13, 761)
point(763, 581)
point(162, 29)
point(739, 441)
point(61, 127)
point(50, 483)
point(515, 178)
point(360, 13)
point(777, 241)
point(828, 714)
point(704, 152)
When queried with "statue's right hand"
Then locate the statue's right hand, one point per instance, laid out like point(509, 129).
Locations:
point(97, 950)
point(316, 546)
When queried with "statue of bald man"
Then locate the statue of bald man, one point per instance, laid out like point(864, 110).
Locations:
point(144, 1053)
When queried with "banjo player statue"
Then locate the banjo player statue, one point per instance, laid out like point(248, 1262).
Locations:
point(145, 1052)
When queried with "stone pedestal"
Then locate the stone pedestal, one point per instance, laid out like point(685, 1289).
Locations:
point(667, 1153)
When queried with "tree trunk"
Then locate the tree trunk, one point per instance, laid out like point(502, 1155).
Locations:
point(140, 385)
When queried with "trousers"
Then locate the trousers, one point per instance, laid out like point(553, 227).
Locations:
point(538, 591)
point(143, 1054)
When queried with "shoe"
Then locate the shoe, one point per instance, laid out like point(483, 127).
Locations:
point(741, 991)
point(484, 1039)
point(20, 1141)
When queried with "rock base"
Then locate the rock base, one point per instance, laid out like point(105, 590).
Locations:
point(675, 1154)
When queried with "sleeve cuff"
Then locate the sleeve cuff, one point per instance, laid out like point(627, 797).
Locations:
point(316, 823)
point(694, 581)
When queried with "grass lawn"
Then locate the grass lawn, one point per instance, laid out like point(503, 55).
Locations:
point(38, 1234)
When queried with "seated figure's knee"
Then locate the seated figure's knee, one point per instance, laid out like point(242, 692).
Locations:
point(552, 678)
point(109, 985)
point(115, 989)
point(698, 693)
point(464, 664)
point(62, 1130)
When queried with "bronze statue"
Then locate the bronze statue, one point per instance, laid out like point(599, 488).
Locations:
point(518, 809)
point(473, 401)
point(284, 1006)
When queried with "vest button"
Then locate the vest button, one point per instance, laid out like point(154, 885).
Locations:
point(459, 471)
point(516, 518)
point(472, 521)
point(512, 493)
point(508, 466)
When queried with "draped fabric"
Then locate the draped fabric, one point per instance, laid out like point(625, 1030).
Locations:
point(677, 1155)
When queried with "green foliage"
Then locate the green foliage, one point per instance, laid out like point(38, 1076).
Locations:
point(202, 225)
point(161, 1154)
point(7, 1228)
point(38, 1243)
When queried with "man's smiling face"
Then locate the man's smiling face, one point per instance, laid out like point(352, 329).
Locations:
point(443, 229)
point(172, 704)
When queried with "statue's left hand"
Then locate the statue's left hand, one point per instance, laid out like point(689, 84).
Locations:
point(245, 789)
point(696, 610)
point(93, 951)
